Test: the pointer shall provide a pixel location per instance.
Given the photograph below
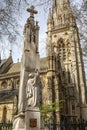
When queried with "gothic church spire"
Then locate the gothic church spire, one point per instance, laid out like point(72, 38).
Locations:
point(59, 2)
point(61, 13)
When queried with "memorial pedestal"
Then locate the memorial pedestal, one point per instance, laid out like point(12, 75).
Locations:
point(32, 119)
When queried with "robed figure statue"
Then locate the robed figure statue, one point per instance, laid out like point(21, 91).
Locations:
point(32, 89)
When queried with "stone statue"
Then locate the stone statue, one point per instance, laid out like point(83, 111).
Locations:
point(32, 89)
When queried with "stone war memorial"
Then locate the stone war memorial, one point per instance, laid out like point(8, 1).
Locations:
point(28, 117)
point(57, 80)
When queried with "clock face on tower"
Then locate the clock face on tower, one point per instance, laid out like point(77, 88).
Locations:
point(4, 85)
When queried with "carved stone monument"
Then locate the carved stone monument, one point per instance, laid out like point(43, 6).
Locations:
point(29, 91)
point(32, 90)
point(32, 113)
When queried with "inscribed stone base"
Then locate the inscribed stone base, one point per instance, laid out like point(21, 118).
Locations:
point(32, 119)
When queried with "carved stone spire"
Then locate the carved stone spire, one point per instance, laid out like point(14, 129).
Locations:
point(59, 2)
point(31, 31)
point(0, 57)
point(11, 52)
point(54, 3)
point(30, 56)
point(62, 13)
point(49, 21)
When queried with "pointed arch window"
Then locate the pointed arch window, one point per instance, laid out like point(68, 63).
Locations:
point(69, 79)
point(4, 84)
point(4, 116)
point(62, 49)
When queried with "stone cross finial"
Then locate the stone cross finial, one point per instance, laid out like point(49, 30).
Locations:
point(32, 11)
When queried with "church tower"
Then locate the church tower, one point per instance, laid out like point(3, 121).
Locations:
point(65, 64)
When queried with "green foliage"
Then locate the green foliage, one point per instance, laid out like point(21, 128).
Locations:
point(47, 110)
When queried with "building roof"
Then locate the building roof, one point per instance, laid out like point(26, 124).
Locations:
point(2, 62)
point(5, 65)
point(15, 68)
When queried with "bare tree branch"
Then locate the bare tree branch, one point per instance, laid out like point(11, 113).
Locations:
point(10, 10)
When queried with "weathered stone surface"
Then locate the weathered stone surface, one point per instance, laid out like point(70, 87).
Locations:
point(32, 118)
point(32, 90)
point(30, 58)
point(61, 73)
point(19, 122)
point(29, 79)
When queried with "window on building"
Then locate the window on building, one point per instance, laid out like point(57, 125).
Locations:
point(73, 109)
point(69, 77)
point(17, 83)
point(4, 116)
point(4, 85)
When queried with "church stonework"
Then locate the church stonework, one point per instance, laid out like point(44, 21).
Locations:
point(57, 77)
point(65, 65)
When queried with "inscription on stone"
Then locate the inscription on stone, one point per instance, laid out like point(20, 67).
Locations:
point(33, 123)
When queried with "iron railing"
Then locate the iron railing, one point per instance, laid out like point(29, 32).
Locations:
point(79, 125)
point(5, 126)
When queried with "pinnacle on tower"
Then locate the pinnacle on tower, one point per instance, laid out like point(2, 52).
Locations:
point(59, 2)
point(49, 21)
point(62, 14)
point(11, 52)
point(0, 57)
